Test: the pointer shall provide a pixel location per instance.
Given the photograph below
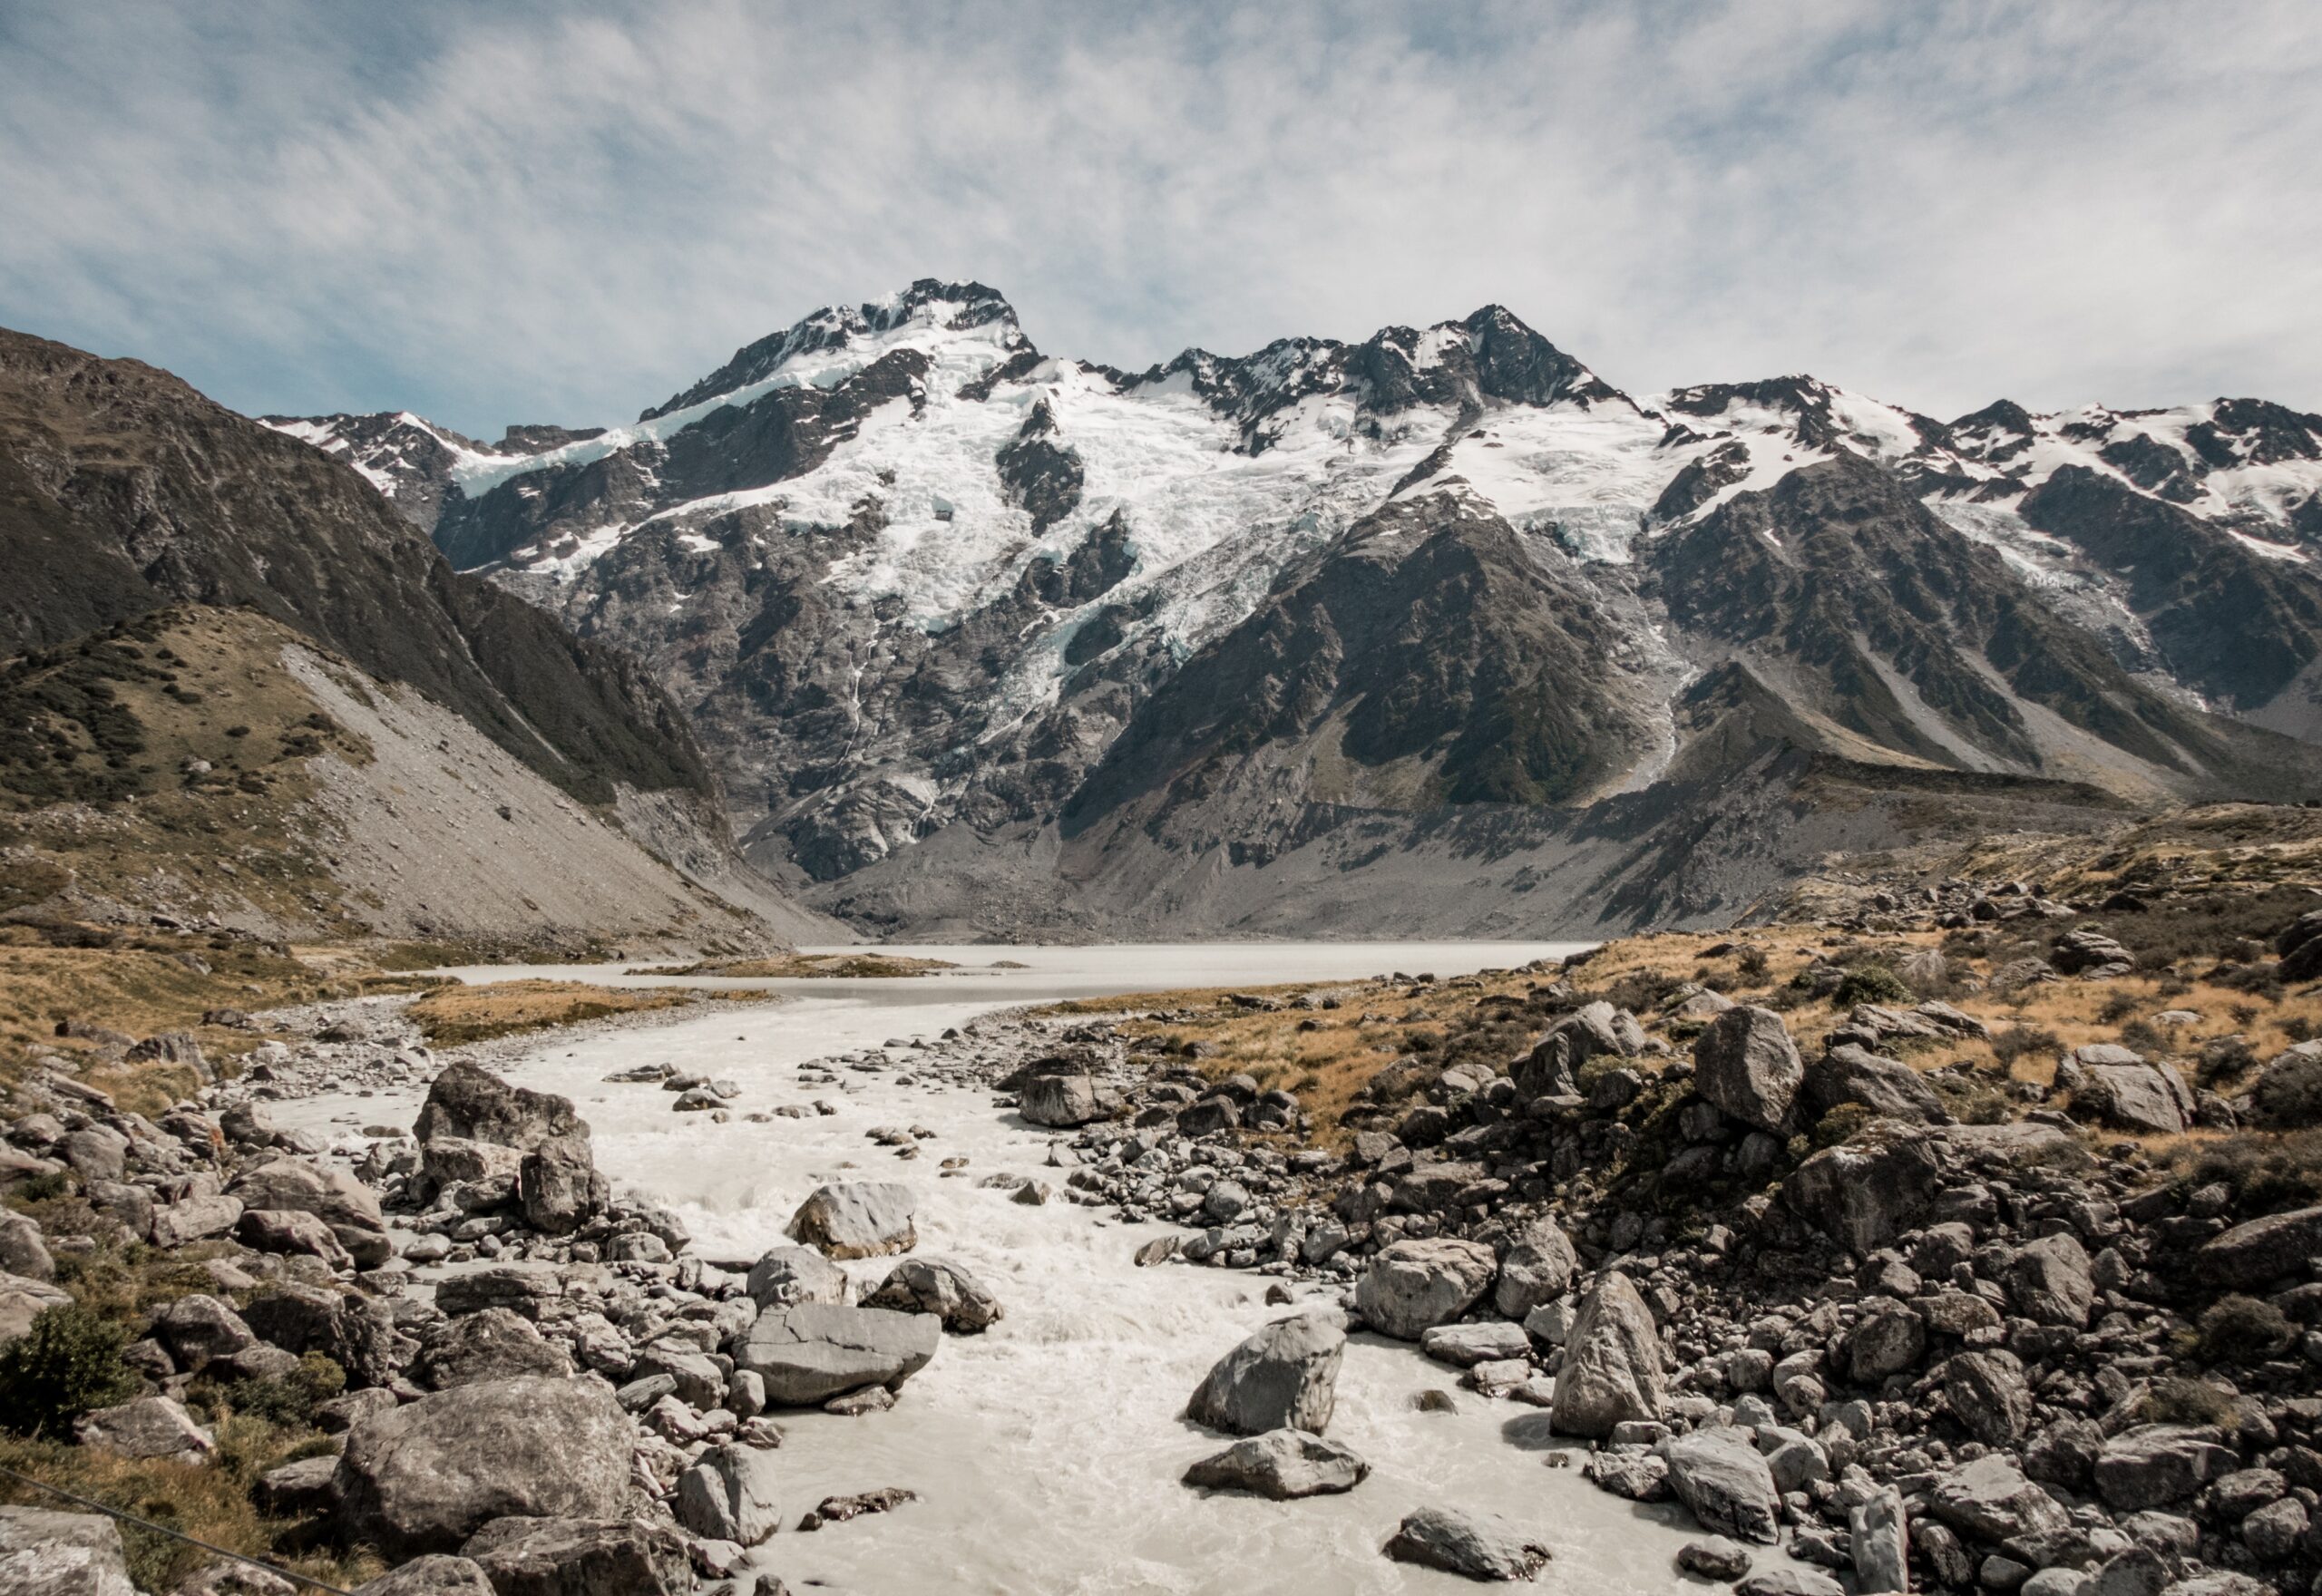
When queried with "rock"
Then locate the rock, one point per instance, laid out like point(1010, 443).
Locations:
point(469, 1101)
point(2153, 1465)
point(1466, 1346)
point(571, 1556)
point(334, 1196)
point(1987, 1393)
point(1412, 1285)
point(1061, 1101)
point(856, 1218)
point(789, 1276)
point(559, 1186)
point(1715, 1558)
point(837, 1510)
point(1284, 1376)
point(1476, 1545)
point(288, 1230)
point(1890, 1338)
point(525, 1288)
point(198, 1329)
point(437, 1575)
point(356, 1333)
point(2251, 1256)
point(146, 1427)
point(192, 1220)
point(1887, 1087)
point(22, 1252)
point(1550, 1068)
point(1539, 1269)
point(2276, 1531)
point(1745, 1063)
point(1639, 1476)
point(1865, 1193)
point(1990, 1500)
point(487, 1168)
point(493, 1344)
point(1880, 1539)
point(1722, 1478)
point(1611, 1372)
point(297, 1489)
point(21, 1302)
point(1790, 1581)
point(2048, 1281)
point(1282, 1464)
point(939, 1287)
point(732, 1493)
point(425, 1476)
point(2287, 1094)
point(48, 1553)
point(2132, 1095)
point(814, 1351)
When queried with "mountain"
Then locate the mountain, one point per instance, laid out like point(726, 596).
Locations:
point(125, 492)
point(1439, 629)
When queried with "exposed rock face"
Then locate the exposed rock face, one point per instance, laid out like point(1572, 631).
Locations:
point(1477, 1546)
point(1281, 1465)
point(1284, 1376)
point(1611, 1373)
point(414, 1480)
point(1746, 1063)
point(812, 1352)
point(1413, 1285)
point(856, 1218)
point(48, 1553)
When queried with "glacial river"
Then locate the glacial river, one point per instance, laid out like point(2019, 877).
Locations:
point(1047, 1451)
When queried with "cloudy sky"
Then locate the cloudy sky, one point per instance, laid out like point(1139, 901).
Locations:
point(521, 212)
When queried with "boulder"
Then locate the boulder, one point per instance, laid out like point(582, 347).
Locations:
point(559, 1186)
point(425, 1476)
point(146, 1427)
point(2287, 1094)
point(22, 1251)
point(1475, 1545)
point(1887, 1087)
point(814, 1351)
point(1466, 1346)
point(487, 1169)
point(1990, 1500)
point(1865, 1193)
point(293, 1490)
point(334, 1196)
point(21, 1302)
point(1412, 1285)
point(1550, 1068)
point(469, 1101)
point(358, 1333)
point(1284, 1376)
point(939, 1287)
point(1539, 1269)
point(48, 1553)
point(1745, 1063)
point(1061, 1101)
point(1721, 1477)
point(789, 1276)
point(436, 1574)
point(526, 1287)
point(562, 1556)
point(1639, 1477)
point(2129, 1096)
point(1282, 1464)
point(2153, 1465)
point(732, 1493)
point(2049, 1282)
point(288, 1231)
point(491, 1345)
point(2253, 1255)
point(1987, 1393)
point(1715, 1558)
point(192, 1220)
point(1878, 1538)
point(1611, 1372)
point(1790, 1581)
point(198, 1329)
point(856, 1218)
point(1889, 1338)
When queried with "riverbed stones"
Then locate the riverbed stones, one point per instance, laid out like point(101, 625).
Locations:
point(1611, 1371)
point(572, 1556)
point(1539, 1269)
point(810, 1353)
point(49, 1553)
point(732, 1493)
point(1413, 1285)
point(1478, 1546)
point(494, 1344)
point(856, 1218)
point(940, 1287)
point(1724, 1480)
point(1284, 1376)
point(560, 1187)
point(1281, 1465)
point(425, 1476)
point(1715, 1558)
point(789, 1276)
point(1745, 1063)
point(1467, 1346)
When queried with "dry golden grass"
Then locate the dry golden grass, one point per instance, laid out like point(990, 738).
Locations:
point(451, 1015)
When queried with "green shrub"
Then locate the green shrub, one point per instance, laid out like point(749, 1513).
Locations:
point(1751, 965)
point(2224, 1059)
point(1872, 983)
point(292, 1398)
point(2014, 1043)
point(66, 1364)
point(2181, 1401)
point(1841, 1124)
point(2243, 1329)
point(2288, 1095)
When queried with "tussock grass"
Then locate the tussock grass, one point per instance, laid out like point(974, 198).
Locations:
point(449, 1015)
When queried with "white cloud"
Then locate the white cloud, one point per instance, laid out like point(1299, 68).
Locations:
point(510, 213)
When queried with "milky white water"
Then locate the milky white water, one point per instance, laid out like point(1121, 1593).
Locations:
point(1046, 1452)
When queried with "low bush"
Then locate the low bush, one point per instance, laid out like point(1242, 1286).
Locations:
point(2242, 1330)
point(2264, 1172)
point(2181, 1401)
point(2288, 1095)
point(68, 1363)
point(2017, 1041)
point(1872, 983)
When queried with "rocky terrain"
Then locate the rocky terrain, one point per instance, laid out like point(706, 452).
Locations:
point(1439, 632)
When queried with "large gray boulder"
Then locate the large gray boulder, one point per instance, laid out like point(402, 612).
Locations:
point(1987, 1394)
point(1285, 1377)
point(22, 1251)
point(1061, 1101)
point(2049, 1282)
point(2155, 1465)
point(333, 1195)
point(48, 1553)
point(198, 1329)
point(1282, 1464)
point(732, 1493)
point(1878, 1537)
point(811, 1353)
point(21, 1301)
point(856, 1218)
point(146, 1427)
point(560, 1187)
point(1887, 1087)
point(1865, 1193)
point(1539, 1269)
point(1720, 1476)
point(1550, 1068)
point(425, 1476)
point(789, 1276)
point(2114, 1087)
point(581, 1557)
point(437, 1575)
point(493, 1344)
point(939, 1287)
point(469, 1101)
point(1611, 1373)
point(1990, 1500)
point(2253, 1255)
point(192, 1219)
point(1745, 1063)
point(1478, 1546)
point(1413, 1285)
